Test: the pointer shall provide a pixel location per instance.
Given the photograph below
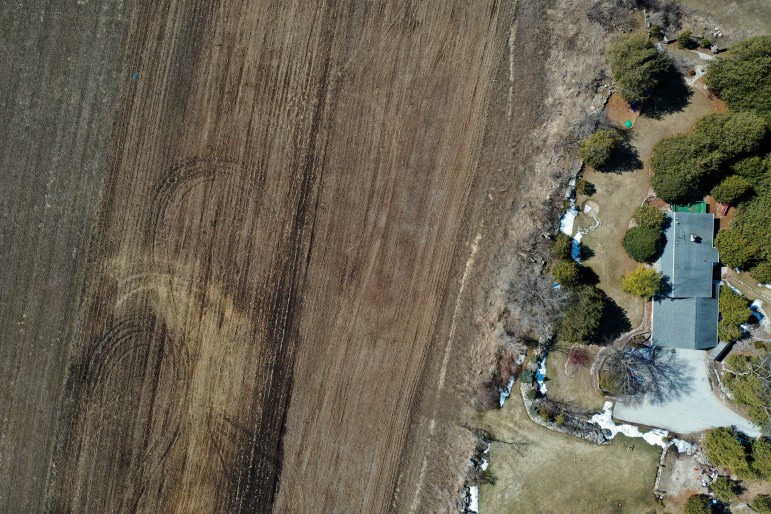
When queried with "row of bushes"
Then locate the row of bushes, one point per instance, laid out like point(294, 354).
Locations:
point(582, 320)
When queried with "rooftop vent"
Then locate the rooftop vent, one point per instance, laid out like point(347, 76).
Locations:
point(695, 238)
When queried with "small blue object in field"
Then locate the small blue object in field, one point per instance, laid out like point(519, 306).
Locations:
point(136, 75)
point(555, 285)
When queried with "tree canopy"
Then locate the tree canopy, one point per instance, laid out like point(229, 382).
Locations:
point(724, 448)
point(567, 273)
point(637, 66)
point(730, 133)
point(743, 78)
point(643, 282)
point(642, 243)
point(698, 504)
point(735, 250)
point(749, 380)
point(596, 149)
point(582, 320)
point(649, 216)
point(562, 246)
point(734, 310)
point(730, 189)
point(746, 243)
point(761, 503)
point(756, 171)
point(681, 163)
point(761, 457)
point(725, 489)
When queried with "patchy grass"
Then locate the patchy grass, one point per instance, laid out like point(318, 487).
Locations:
point(574, 387)
point(747, 16)
point(545, 471)
point(619, 193)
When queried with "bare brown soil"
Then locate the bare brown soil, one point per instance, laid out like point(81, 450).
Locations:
point(244, 281)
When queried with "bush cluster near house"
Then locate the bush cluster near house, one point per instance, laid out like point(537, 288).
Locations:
point(642, 243)
point(637, 66)
point(643, 282)
point(725, 489)
point(742, 78)
point(749, 380)
point(685, 166)
point(746, 243)
point(597, 149)
point(649, 216)
point(734, 310)
point(745, 457)
point(583, 317)
point(698, 504)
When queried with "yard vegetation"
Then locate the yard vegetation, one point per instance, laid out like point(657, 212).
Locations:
point(727, 154)
point(685, 164)
point(596, 149)
point(749, 380)
point(642, 243)
point(741, 78)
point(643, 282)
point(637, 66)
point(747, 458)
point(734, 310)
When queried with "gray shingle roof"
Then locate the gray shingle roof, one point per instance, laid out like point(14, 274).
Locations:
point(688, 256)
point(687, 318)
point(686, 322)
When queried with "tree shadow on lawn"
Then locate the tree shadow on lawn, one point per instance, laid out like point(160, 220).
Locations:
point(624, 158)
point(614, 322)
point(671, 95)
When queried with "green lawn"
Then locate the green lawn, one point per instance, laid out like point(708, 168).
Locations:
point(543, 471)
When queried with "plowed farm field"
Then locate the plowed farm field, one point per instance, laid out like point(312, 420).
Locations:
point(235, 240)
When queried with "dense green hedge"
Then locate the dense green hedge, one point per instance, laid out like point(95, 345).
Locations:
point(596, 149)
point(743, 77)
point(637, 66)
point(642, 243)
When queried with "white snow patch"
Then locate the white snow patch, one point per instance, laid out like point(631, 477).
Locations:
point(568, 219)
point(473, 492)
point(540, 376)
point(683, 446)
point(506, 392)
point(655, 437)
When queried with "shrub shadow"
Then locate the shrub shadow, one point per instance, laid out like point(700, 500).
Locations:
point(624, 157)
point(614, 322)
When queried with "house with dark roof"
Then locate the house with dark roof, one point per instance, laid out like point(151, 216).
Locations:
point(686, 315)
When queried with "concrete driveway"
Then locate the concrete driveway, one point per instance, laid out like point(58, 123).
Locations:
point(695, 410)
